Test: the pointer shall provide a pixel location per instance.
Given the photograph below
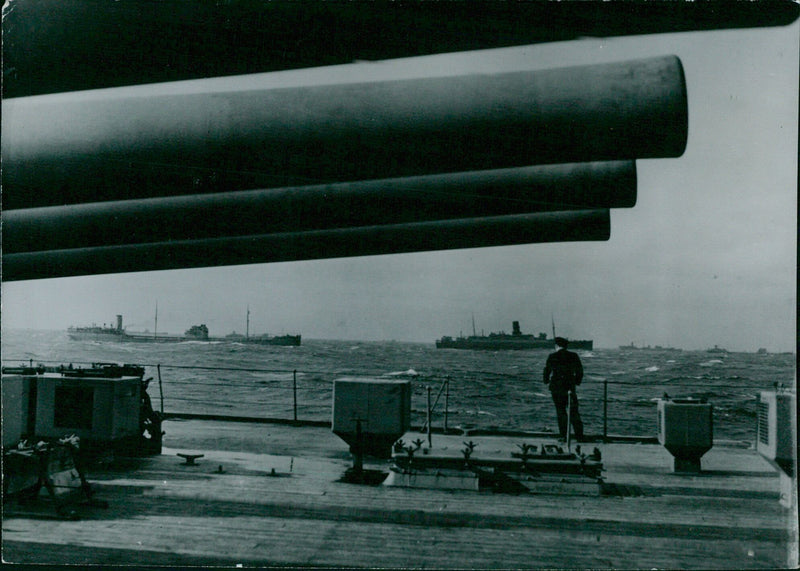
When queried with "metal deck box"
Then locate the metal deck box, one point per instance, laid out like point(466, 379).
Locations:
point(97, 409)
point(16, 414)
point(380, 409)
point(685, 428)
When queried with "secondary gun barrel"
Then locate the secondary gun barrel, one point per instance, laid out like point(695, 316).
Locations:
point(245, 132)
point(577, 186)
point(579, 225)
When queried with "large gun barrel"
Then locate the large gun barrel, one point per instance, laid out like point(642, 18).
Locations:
point(109, 44)
point(245, 132)
point(160, 176)
point(579, 225)
point(577, 186)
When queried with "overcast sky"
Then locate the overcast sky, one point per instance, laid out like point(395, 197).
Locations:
point(706, 257)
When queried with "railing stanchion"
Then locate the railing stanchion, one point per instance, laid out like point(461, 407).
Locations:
point(605, 410)
point(160, 388)
point(294, 390)
point(428, 422)
point(446, 402)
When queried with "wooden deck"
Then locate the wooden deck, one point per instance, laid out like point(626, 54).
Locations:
point(271, 495)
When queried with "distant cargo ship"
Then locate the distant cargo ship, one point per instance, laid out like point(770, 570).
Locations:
point(515, 340)
point(117, 333)
point(97, 333)
point(284, 340)
point(716, 349)
point(633, 347)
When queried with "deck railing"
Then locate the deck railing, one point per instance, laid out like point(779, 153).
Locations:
point(304, 397)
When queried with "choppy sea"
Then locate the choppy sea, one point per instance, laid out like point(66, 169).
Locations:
point(487, 389)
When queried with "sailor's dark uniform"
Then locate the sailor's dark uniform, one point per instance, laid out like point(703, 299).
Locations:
point(562, 373)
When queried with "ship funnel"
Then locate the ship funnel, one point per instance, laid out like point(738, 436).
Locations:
point(119, 323)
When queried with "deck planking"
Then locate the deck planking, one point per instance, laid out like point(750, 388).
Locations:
point(163, 512)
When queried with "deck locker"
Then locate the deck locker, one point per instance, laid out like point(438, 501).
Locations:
point(380, 409)
point(97, 409)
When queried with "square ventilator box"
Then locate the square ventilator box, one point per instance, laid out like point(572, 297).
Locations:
point(382, 407)
point(777, 426)
point(95, 409)
point(16, 390)
point(685, 422)
point(686, 430)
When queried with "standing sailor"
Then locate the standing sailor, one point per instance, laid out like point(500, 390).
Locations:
point(562, 373)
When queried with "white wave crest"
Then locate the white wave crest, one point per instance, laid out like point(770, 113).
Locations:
point(408, 373)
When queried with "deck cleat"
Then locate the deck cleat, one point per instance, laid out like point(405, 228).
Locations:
point(527, 449)
point(190, 458)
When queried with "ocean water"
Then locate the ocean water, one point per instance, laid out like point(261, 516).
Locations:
point(486, 389)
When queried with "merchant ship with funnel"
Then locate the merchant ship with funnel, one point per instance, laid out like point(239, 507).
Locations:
point(118, 333)
point(515, 340)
